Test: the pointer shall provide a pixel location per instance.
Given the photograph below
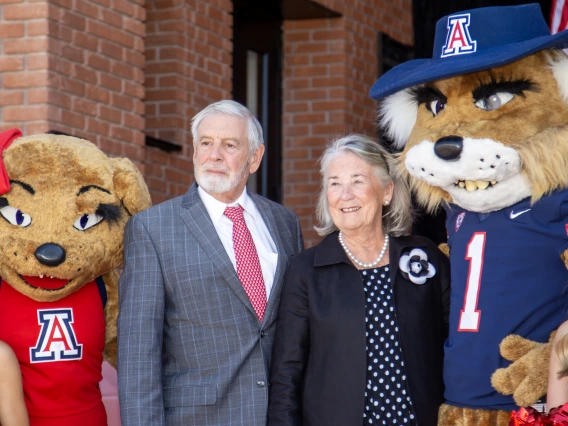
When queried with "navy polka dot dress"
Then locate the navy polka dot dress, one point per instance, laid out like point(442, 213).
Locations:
point(387, 401)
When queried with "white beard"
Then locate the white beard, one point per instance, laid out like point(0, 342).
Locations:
point(215, 184)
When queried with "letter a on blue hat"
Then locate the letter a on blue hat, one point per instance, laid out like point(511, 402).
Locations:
point(475, 40)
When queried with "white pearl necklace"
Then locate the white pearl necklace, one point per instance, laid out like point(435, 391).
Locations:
point(357, 261)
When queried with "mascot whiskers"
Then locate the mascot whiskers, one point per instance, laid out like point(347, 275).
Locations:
point(484, 131)
point(63, 208)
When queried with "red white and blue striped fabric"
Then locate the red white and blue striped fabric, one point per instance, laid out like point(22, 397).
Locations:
point(558, 16)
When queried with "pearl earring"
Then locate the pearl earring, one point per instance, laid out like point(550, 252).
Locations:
point(386, 202)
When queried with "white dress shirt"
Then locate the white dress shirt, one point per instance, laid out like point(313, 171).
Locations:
point(265, 247)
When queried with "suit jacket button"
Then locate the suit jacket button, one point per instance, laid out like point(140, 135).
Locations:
point(260, 384)
point(262, 333)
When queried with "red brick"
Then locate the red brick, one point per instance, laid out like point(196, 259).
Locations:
point(11, 63)
point(98, 62)
point(111, 17)
point(86, 41)
point(72, 20)
point(24, 113)
point(10, 30)
point(37, 28)
point(329, 58)
point(73, 86)
point(36, 127)
point(84, 106)
point(11, 98)
point(313, 47)
point(110, 114)
point(28, 79)
point(110, 82)
point(98, 94)
point(72, 119)
point(313, 71)
point(134, 121)
point(85, 74)
point(296, 36)
point(122, 102)
point(121, 133)
point(56, 97)
point(308, 118)
point(25, 45)
point(326, 34)
point(26, 11)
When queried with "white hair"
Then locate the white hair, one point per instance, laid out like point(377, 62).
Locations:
point(397, 216)
point(229, 107)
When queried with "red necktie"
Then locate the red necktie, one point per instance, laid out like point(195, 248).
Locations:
point(248, 264)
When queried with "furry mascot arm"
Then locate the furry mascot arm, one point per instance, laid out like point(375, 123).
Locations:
point(527, 377)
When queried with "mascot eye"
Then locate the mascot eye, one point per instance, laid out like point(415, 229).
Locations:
point(87, 221)
point(15, 216)
point(436, 107)
point(494, 101)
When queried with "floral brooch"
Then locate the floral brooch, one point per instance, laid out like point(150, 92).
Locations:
point(414, 266)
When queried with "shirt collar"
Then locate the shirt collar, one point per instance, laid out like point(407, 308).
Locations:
point(216, 208)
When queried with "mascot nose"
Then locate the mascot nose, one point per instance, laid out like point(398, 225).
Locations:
point(50, 254)
point(449, 147)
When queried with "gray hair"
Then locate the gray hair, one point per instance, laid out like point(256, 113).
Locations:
point(254, 129)
point(397, 216)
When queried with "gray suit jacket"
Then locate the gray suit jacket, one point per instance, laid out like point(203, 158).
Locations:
point(191, 350)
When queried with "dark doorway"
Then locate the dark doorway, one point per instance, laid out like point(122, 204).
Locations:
point(257, 76)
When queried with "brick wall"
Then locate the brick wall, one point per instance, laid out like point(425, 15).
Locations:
point(109, 70)
point(329, 67)
point(76, 67)
point(188, 54)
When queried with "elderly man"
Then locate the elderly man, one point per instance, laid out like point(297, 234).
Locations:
point(200, 288)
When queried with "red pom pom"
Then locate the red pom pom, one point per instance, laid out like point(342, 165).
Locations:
point(529, 416)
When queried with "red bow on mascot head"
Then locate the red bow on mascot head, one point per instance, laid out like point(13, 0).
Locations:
point(6, 139)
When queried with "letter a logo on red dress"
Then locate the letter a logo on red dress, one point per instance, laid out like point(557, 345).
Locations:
point(57, 341)
point(458, 41)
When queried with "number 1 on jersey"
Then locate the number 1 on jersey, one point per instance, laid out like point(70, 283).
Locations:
point(470, 315)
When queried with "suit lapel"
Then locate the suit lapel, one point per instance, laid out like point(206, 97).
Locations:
point(195, 216)
point(268, 217)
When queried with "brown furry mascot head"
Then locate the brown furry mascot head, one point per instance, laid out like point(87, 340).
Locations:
point(484, 131)
point(63, 208)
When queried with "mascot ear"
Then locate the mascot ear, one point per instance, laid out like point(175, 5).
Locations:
point(397, 116)
point(130, 186)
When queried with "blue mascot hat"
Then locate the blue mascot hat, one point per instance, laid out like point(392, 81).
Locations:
point(475, 40)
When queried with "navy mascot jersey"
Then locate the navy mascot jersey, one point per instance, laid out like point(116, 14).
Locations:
point(507, 278)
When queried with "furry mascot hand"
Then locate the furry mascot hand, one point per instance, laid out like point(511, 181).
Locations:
point(527, 377)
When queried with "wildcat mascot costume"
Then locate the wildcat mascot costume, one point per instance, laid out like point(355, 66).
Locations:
point(484, 127)
point(63, 208)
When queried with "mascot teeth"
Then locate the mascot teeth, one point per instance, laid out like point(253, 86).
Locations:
point(472, 185)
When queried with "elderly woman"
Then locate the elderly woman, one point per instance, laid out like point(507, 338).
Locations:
point(363, 315)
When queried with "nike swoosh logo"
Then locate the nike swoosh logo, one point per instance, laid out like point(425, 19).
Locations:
point(514, 215)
